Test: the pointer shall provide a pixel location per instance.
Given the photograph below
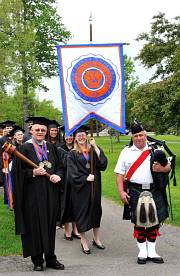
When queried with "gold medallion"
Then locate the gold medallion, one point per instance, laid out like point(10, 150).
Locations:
point(87, 166)
point(41, 164)
point(47, 164)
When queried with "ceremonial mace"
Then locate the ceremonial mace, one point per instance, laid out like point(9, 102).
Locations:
point(9, 148)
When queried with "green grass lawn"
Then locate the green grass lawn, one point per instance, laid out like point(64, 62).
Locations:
point(11, 244)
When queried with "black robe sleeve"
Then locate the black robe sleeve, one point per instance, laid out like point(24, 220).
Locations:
point(77, 174)
point(59, 170)
point(101, 161)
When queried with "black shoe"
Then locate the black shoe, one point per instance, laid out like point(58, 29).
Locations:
point(75, 236)
point(85, 251)
point(141, 260)
point(68, 238)
point(38, 267)
point(55, 265)
point(97, 245)
point(157, 260)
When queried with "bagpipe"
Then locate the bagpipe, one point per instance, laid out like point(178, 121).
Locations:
point(161, 158)
point(155, 143)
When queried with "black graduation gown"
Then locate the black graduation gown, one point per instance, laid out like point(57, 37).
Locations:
point(36, 202)
point(87, 208)
point(66, 195)
point(63, 157)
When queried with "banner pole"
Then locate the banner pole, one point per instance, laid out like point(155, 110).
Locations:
point(91, 120)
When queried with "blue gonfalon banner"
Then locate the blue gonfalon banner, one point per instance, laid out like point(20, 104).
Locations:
point(92, 84)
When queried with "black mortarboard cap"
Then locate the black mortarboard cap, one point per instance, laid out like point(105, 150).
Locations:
point(136, 127)
point(54, 124)
point(62, 128)
point(82, 128)
point(38, 120)
point(7, 123)
point(2, 126)
point(16, 129)
point(29, 120)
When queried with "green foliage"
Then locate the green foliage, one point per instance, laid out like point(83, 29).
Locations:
point(11, 107)
point(49, 32)
point(131, 81)
point(157, 105)
point(162, 46)
point(158, 102)
point(29, 31)
point(45, 109)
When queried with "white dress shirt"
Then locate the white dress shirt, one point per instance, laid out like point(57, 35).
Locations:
point(127, 157)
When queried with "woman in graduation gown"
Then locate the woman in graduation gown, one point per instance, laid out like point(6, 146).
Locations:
point(36, 198)
point(54, 135)
point(65, 209)
point(86, 187)
point(67, 215)
point(18, 136)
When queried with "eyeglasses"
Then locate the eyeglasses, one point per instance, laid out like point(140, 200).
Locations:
point(81, 135)
point(40, 130)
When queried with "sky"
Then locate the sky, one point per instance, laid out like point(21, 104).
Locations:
point(114, 21)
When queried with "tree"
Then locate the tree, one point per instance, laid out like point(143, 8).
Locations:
point(30, 29)
point(9, 106)
point(161, 48)
point(157, 104)
point(131, 83)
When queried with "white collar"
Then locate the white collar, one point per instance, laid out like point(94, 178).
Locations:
point(39, 143)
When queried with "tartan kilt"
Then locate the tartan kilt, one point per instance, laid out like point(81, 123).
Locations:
point(162, 208)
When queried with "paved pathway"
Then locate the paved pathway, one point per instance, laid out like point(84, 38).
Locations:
point(119, 257)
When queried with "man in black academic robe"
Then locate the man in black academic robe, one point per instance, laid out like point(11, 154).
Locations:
point(36, 198)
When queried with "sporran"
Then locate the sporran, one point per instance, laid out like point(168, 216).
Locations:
point(146, 211)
